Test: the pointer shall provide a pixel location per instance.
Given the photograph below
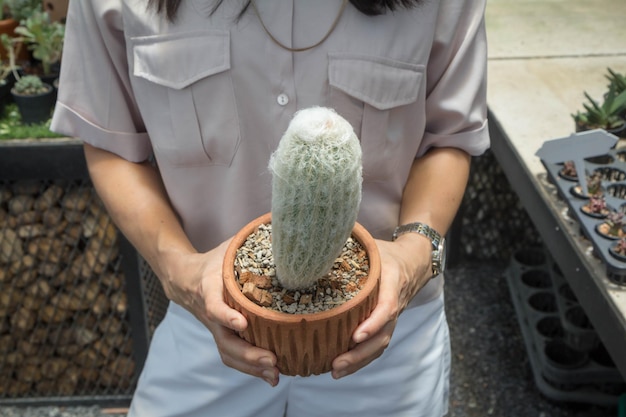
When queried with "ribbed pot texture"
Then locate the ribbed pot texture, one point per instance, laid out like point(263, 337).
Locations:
point(305, 344)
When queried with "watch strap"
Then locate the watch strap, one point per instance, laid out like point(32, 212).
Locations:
point(421, 228)
point(437, 241)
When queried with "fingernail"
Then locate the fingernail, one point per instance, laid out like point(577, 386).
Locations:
point(266, 362)
point(235, 324)
point(340, 369)
point(339, 374)
point(360, 337)
point(269, 377)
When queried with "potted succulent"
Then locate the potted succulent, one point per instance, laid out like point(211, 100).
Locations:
point(44, 38)
point(618, 250)
point(594, 186)
point(613, 226)
point(316, 192)
point(607, 114)
point(34, 99)
point(596, 207)
point(568, 171)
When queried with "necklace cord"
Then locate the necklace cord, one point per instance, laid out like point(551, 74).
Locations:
point(277, 42)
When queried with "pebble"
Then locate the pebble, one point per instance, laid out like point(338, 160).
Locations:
point(340, 285)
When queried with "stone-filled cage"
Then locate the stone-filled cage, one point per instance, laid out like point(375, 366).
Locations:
point(77, 305)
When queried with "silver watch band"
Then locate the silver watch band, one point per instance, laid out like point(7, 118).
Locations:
point(420, 228)
point(438, 255)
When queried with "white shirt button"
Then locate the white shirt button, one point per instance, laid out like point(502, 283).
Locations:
point(282, 99)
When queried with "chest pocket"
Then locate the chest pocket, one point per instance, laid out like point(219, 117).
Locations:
point(379, 97)
point(198, 115)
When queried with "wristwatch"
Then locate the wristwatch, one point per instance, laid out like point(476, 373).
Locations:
point(439, 243)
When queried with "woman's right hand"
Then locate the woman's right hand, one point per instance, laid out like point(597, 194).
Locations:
point(194, 281)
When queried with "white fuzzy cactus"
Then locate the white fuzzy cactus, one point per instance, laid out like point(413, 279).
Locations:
point(316, 192)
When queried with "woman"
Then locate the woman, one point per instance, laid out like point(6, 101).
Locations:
point(181, 103)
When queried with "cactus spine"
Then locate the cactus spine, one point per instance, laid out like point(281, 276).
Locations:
point(316, 192)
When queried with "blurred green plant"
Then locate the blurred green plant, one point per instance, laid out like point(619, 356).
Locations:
point(43, 37)
point(21, 9)
point(9, 65)
point(11, 126)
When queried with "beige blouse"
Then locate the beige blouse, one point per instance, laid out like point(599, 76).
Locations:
point(209, 96)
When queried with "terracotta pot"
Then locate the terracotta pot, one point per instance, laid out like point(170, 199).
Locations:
point(305, 344)
point(8, 26)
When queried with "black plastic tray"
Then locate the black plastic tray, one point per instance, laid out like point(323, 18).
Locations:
point(561, 372)
point(579, 333)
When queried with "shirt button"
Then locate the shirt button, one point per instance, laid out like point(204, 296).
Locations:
point(282, 99)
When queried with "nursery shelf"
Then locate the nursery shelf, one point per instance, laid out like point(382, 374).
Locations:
point(603, 300)
point(537, 78)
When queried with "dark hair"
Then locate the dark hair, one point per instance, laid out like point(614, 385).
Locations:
point(368, 7)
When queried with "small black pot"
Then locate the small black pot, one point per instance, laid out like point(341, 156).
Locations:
point(619, 131)
point(53, 80)
point(618, 256)
point(35, 108)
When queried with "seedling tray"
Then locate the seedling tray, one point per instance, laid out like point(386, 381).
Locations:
point(579, 333)
point(561, 372)
point(611, 164)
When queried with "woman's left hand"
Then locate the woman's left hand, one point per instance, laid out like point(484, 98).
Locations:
point(406, 268)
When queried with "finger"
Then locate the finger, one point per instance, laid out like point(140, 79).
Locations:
point(239, 354)
point(385, 312)
point(220, 312)
point(212, 288)
point(364, 353)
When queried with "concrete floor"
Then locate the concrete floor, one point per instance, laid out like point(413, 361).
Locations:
point(549, 29)
point(543, 54)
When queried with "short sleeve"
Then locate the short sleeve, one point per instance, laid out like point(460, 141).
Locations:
point(456, 102)
point(95, 101)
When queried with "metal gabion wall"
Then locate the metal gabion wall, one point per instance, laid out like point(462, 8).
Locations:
point(493, 223)
point(155, 300)
point(64, 311)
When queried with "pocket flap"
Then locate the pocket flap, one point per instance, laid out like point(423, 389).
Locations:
point(380, 82)
point(176, 61)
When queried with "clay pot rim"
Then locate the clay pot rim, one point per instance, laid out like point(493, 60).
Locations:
point(230, 283)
